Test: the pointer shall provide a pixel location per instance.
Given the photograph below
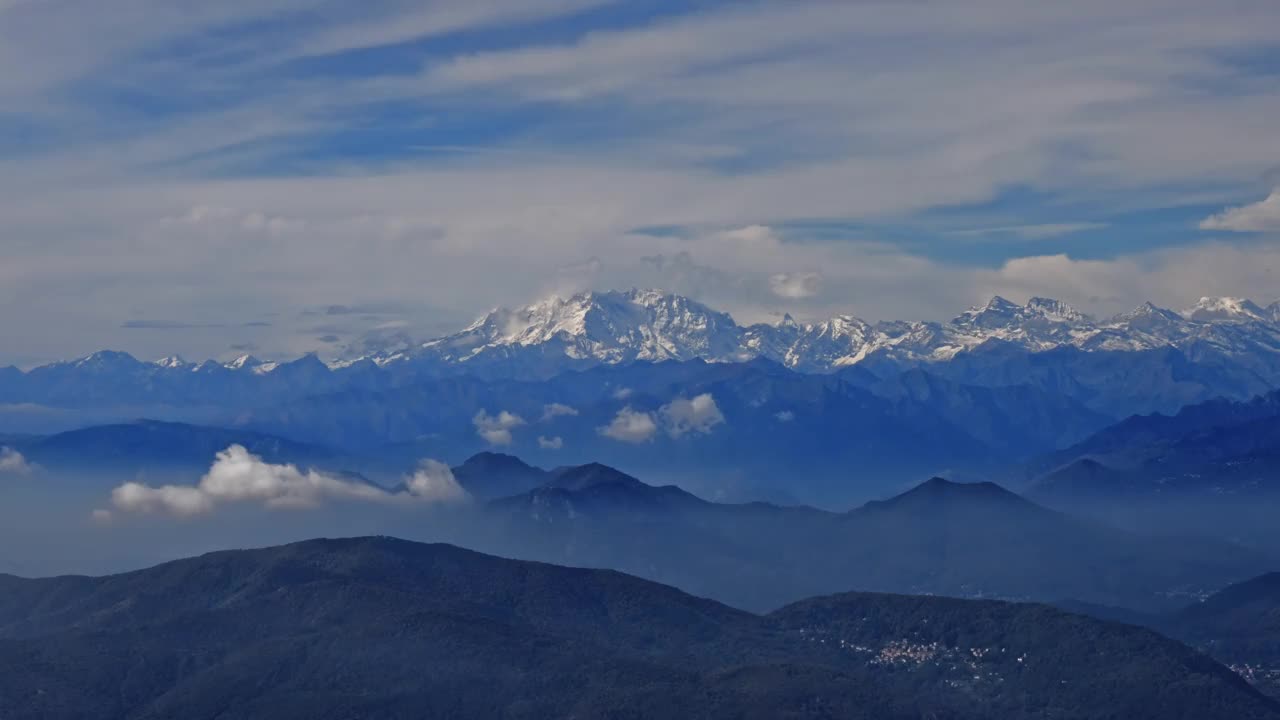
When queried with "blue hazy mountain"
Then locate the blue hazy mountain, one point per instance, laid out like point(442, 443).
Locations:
point(145, 445)
point(1217, 448)
point(941, 537)
point(377, 627)
point(1240, 626)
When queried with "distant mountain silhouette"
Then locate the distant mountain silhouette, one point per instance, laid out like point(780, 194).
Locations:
point(1215, 448)
point(941, 537)
point(597, 491)
point(490, 475)
point(150, 444)
point(377, 627)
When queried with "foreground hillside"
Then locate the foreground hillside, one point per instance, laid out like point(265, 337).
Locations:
point(377, 627)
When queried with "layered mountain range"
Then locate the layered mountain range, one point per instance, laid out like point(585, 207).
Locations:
point(852, 406)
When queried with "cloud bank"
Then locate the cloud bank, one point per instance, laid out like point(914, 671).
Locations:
point(1262, 216)
point(239, 477)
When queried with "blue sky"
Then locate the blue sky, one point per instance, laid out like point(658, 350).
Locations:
point(210, 179)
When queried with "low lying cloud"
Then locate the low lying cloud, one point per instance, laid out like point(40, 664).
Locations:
point(796, 286)
point(699, 415)
point(550, 443)
point(630, 426)
point(13, 463)
point(239, 477)
point(496, 429)
point(555, 410)
point(434, 482)
point(1262, 216)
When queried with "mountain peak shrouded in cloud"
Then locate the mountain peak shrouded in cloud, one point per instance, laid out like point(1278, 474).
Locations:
point(1208, 309)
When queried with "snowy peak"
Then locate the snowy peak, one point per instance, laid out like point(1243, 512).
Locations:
point(609, 327)
point(173, 362)
point(1000, 313)
point(244, 362)
point(1210, 309)
point(1054, 310)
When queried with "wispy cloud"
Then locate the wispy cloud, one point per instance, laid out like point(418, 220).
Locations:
point(1262, 216)
point(555, 410)
point(1042, 231)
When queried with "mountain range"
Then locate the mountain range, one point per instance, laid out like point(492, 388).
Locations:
point(378, 627)
point(610, 328)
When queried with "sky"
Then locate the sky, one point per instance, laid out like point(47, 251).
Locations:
point(286, 176)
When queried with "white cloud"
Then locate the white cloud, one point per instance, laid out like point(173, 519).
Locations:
point(239, 477)
point(630, 426)
point(784, 416)
point(496, 429)
point(682, 415)
point(555, 410)
point(13, 463)
point(550, 443)
point(1262, 216)
point(622, 393)
point(434, 482)
point(796, 285)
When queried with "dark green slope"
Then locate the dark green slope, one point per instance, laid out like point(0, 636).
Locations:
point(377, 627)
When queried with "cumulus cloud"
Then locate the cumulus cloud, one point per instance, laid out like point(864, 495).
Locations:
point(550, 443)
point(630, 426)
point(698, 415)
point(434, 482)
point(13, 463)
point(795, 286)
point(555, 410)
point(784, 416)
point(1262, 216)
point(496, 429)
point(677, 418)
point(622, 393)
point(239, 477)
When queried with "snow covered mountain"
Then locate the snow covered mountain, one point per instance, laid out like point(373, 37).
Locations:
point(1150, 359)
point(617, 327)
